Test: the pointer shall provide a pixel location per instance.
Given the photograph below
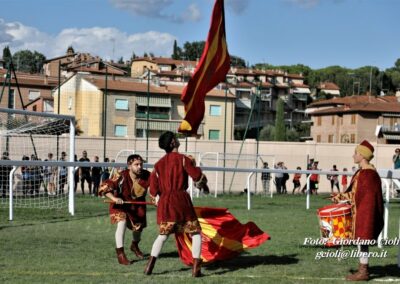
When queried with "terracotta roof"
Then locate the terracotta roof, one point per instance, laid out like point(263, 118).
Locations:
point(131, 86)
point(297, 85)
point(167, 61)
point(357, 104)
point(328, 86)
point(38, 80)
point(352, 100)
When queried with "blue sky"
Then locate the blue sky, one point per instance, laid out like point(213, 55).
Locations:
point(317, 33)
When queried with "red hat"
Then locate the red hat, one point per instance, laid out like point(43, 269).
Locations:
point(366, 150)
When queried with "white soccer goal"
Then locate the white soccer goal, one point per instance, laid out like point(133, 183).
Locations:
point(36, 148)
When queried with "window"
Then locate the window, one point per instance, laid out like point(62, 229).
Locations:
point(33, 95)
point(319, 120)
point(11, 99)
point(215, 110)
point(213, 134)
point(352, 138)
point(34, 108)
point(353, 120)
point(318, 138)
point(120, 130)
point(140, 133)
point(330, 138)
point(121, 104)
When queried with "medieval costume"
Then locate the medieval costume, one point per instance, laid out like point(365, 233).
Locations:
point(123, 188)
point(175, 212)
point(365, 196)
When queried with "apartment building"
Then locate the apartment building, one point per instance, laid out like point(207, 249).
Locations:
point(256, 91)
point(27, 91)
point(118, 107)
point(353, 119)
point(73, 62)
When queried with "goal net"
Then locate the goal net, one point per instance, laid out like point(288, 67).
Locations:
point(36, 148)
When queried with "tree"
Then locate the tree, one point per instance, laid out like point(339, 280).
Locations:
point(7, 55)
point(121, 60)
point(236, 61)
point(193, 50)
point(133, 56)
point(267, 133)
point(177, 52)
point(280, 128)
point(28, 61)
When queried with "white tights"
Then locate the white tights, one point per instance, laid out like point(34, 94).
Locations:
point(160, 240)
point(120, 234)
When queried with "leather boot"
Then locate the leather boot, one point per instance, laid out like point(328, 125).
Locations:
point(150, 265)
point(361, 275)
point(122, 257)
point(135, 248)
point(196, 270)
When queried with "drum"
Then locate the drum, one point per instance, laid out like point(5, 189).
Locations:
point(335, 223)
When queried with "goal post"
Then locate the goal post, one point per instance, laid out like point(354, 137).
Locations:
point(36, 149)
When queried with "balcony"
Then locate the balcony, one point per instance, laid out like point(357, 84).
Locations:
point(152, 115)
point(390, 132)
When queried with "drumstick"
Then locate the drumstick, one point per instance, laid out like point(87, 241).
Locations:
point(130, 202)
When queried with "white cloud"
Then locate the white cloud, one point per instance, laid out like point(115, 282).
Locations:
point(192, 13)
point(156, 9)
point(305, 3)
point(108, 43)
point(237, 6)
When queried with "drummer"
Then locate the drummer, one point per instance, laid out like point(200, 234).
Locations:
point(365, 196)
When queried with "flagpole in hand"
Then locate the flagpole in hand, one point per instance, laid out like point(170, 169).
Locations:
point(130, 202)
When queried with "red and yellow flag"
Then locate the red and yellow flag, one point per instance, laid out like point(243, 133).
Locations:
point(223, 236)
point(213, 66)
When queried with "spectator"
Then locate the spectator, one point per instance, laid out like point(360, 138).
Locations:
point(76, 174)
point(96, 175)
point(265, 178)
point(62, 174)
point(105, 171)
point(309, 167)
point(84, 173)
point(344, 180)
point(396, 159)
point(26, 177)
point(5, 175)
point(296, 181)
point(279, 177)
point(285, 178)
point(334, 179)
point(314, 179)
point(35, 176)
point(49, 174)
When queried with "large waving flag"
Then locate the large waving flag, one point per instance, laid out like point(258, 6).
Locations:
point(223, 236)
point(213, 66)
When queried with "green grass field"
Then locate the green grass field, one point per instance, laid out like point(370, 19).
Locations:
point(50, 246)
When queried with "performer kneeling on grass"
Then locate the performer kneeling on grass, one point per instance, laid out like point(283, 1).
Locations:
point(175, 212)
point(365, 195)
point(128, 186)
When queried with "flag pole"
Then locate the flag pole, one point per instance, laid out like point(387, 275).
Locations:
point(226, 105)
point(241, 145)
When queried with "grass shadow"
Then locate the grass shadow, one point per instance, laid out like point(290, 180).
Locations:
point(251, 261)
point(382, 271)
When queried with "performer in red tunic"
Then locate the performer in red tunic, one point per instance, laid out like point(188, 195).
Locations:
point(175, 212)
point(365, 196)
point(127, 186)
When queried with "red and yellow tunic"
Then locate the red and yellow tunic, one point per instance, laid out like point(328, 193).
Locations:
point(365, 196)
point(169, 180)
point(125, 187)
